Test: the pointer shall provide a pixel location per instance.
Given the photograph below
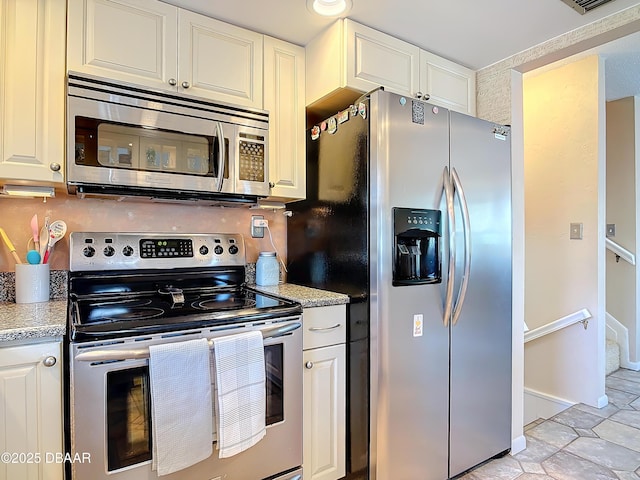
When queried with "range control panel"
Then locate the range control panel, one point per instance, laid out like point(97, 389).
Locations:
point(94, 251)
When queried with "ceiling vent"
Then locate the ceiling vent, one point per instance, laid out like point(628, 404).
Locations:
point(583, 6)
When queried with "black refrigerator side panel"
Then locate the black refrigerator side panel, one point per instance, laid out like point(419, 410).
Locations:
point(327, 235)
point(328, 248)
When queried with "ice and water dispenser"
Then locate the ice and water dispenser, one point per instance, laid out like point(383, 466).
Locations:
point(416, 237)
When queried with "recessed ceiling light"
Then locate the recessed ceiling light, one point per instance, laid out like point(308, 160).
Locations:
point(329, 8)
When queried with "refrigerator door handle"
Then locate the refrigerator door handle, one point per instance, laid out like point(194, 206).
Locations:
point(448, 193)
point(457, 185)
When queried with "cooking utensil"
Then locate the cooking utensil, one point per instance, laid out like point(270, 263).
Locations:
point(44, 236)
point(10, 246)
point(57, 230)
point(33, 257)
point(35, 230)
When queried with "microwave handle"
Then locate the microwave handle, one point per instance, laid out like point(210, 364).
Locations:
point(221, 156)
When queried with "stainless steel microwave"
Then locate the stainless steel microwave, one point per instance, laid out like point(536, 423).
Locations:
point(128, 141)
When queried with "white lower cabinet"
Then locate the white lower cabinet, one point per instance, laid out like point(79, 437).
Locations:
point(324, 392)
point(31, 412)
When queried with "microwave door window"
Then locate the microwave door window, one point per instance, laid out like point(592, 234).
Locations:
point(103, 144)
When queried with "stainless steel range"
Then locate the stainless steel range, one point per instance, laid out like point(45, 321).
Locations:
point(128, 292)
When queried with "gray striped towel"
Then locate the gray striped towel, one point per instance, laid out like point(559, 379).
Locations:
point(240, 384)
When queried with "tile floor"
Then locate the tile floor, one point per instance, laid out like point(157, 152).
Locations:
point(580, 443)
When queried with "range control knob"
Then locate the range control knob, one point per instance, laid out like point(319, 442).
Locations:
point(89, 251)
point(204, 250)
point(127, 251)
point(109, 251)
point(218, 250)
point(233, 249)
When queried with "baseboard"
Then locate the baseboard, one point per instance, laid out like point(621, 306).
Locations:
point(603, 401)
point(630, 365)
point(518, 444)
point(541, 405)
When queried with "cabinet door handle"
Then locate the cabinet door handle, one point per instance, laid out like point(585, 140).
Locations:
point(173, 82)
point(49, 361)
point(324, 329)
point(186, 84)
point(309, 365)
point(55, 167)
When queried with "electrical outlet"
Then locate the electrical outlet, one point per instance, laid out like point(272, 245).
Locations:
point(256, 231)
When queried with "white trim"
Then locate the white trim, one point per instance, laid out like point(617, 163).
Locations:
point(603, 401)
point(620, 251)
point(518, 444)
point(558, 324)
point(541, 405)
point(622, 338)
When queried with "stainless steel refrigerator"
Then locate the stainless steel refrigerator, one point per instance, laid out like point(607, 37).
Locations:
point(408, 211)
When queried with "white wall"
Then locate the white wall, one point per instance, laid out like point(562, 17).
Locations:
point(564, 182)
point(621, 210)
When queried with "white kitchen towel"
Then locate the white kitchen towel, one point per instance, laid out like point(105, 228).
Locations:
point(181, 402)
point(240, 387)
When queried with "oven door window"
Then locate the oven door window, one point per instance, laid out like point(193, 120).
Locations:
point(128, 417)
point(111, 145)
point(274, 370)
point(129, 438)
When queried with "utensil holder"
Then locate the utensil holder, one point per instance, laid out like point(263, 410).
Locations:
point(32, 283)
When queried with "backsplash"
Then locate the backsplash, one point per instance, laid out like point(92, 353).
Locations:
point(57, 290)
point(59, 278)
point(97, 215)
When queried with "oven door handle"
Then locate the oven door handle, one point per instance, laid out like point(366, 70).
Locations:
point(142, 353)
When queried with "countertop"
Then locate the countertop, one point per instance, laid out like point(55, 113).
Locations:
point(306, 296)
point(48, 320)
point(32, 321)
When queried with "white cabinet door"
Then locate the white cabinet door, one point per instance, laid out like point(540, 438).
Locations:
point(448, 84)
point(324, 413)
point(219, 60)
point(284, 78)
point(375, 58)
point(31, 410)
point(130, 40)
point(32, 90)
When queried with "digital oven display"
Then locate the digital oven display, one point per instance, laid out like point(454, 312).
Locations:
point(166, 248)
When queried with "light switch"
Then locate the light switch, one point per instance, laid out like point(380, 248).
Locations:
point(576, 231)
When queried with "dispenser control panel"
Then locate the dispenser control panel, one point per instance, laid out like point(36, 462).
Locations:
point(416, 252)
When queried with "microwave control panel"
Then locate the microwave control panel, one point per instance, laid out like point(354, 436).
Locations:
point(252, 158)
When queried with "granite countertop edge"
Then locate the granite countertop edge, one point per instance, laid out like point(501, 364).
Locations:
point(48, 320)
point(32, 321)
point(306, 296)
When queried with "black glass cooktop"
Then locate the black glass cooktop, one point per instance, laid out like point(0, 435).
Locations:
point(101, 307)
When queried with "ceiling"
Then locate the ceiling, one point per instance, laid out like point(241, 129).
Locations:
point(469, 32)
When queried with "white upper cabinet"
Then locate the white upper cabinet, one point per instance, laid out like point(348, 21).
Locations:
point(151, 43)
point(350, 55)
point(284, 73)
point(358, 58)
point(448, 84)
point(130, 40)
point(219, 61)
point(32, 73)
point(374, 58)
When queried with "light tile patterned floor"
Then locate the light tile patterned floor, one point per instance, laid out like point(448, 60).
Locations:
point(581, 443)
